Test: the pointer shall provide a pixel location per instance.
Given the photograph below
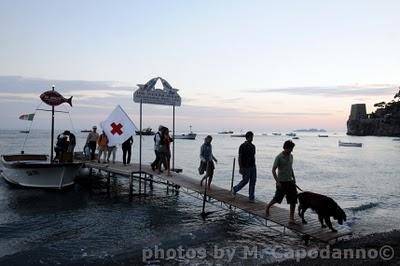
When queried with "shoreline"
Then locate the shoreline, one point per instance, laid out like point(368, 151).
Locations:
point(380, 248)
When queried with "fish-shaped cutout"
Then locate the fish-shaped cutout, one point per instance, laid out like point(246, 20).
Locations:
point(53, 98)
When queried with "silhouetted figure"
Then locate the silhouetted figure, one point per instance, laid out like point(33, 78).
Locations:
point(247, 166)
point(127, 150)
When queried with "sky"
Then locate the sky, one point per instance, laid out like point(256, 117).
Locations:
point(238, 65)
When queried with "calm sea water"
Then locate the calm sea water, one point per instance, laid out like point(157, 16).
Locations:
point(84, 224)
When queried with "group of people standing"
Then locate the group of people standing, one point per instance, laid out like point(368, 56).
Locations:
point(162, 150)
point(282, 169)
point(94, 140)
point(282, 172)
point(65, 145)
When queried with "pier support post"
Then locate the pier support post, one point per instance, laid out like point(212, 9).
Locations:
point(151, 182)
point(130, 186)
point(167, 187)
point(233, 176)
point(140, 184)
point(145, 184)
point(203, 213)
point(108, 182)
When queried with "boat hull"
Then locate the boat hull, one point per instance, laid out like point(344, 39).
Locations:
point(350, 144)
point(186, 136)
point(39, 173)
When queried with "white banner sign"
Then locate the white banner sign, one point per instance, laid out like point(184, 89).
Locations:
point(147, 93)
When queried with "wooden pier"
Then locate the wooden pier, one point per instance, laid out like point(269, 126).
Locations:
point(278, 216)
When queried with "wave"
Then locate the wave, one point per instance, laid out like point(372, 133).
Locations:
point(364, 207)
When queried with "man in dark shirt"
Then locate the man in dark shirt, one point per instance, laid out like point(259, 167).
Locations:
point(127, 150)
point(247, 166)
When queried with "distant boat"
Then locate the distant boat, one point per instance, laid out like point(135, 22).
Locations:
point(396, 139)
point(323, 136)
point(264, 134)
point(24, 131)
point(189, 135)
point(146, 132)
point(225, 132)
point(349, 144)
point(292, 134)
point(86, 130)
point(295, 138)
point(276, 134)
point(238, 135)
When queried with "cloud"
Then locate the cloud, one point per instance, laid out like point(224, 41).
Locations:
point(334, 91)
point(18, 84)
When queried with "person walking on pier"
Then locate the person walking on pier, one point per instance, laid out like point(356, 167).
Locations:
point(91, 141)
point(165, 150)
point(111, 150)
point(127, 150)
point(247, 166)
point(285, 180)
point(103, 148)
point(157, 139)
point(207, 160)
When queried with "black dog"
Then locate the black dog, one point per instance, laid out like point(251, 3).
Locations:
point(324, 206)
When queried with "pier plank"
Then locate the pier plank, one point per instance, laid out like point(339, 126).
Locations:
point(277, 214)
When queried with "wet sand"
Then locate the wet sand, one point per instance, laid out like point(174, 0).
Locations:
point(377, 241)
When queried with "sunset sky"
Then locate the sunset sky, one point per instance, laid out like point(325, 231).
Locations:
point(258, 65)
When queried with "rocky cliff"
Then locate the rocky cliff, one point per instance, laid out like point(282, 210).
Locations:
point(385, 121)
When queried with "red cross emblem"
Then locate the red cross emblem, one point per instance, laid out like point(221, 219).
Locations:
point(116, 129)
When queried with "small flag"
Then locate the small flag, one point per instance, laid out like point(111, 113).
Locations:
point(118, 126)
point(27, 117)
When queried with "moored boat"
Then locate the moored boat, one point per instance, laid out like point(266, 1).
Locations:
point(225, 132)
point(349, 144)
point(35, 170)
point(189, 135)
point(238, 135)
point(146, 132)
point(38, 170)
point(322, 136)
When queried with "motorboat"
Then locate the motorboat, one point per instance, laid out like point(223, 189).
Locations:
point(295, 137)
point(238, 135)
point(349, 144)
point(146, 132)
point(40, 170)
point(276, 134)
point(189, 135)
point(292, 134)
point(323, 136)
point(225, 132)
point(35, 170)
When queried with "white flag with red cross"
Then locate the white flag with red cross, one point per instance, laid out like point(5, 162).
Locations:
point(118, 126)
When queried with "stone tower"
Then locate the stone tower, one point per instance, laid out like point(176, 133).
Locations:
point(358, 112)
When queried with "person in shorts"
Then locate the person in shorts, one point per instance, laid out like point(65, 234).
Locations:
point(285, 180)
point(207, 159)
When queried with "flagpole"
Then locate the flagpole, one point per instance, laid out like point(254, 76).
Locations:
point(140, 141)
point(52, 131)
point(173, 134)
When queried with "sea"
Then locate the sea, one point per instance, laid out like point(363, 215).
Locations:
point(85, 224)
